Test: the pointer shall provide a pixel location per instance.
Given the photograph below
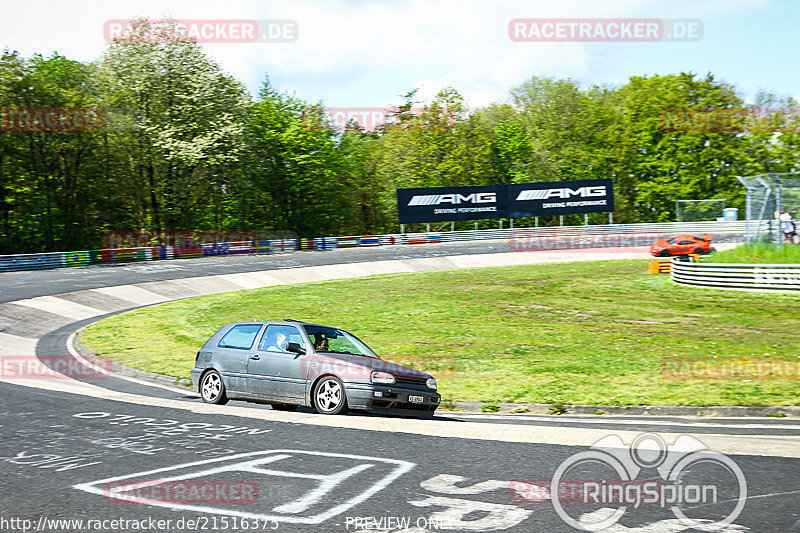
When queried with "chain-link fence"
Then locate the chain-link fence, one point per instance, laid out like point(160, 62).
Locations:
point(699, 210)
point(768, 195)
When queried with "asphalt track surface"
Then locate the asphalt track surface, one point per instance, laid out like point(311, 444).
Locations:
point(66, 442)
point(32, 283)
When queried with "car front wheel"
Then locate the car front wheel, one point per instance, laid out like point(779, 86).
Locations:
point(212, 389)
point(329, 397)
point(664, 253)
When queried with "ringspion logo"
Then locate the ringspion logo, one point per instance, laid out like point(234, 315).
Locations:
point(703, 489)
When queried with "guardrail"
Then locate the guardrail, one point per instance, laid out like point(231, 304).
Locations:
point(520, 239)
point(145, 253)
point(738, 276)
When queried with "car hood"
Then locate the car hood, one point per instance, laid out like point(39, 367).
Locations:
point(359, 367)
point(661, 243)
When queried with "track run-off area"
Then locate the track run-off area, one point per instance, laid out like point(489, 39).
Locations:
point(70, 442)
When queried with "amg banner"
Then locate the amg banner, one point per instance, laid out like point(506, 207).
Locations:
point(442, 204)
point(560, 198)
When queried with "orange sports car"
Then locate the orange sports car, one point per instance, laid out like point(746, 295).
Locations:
point(682, 245)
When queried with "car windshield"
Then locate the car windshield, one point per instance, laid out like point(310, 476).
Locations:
point(332, 340)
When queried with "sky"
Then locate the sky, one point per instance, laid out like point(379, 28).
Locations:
point(360, 53)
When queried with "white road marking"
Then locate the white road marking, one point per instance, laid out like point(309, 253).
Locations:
point(59, 306)
point(134, 294)
point(639, 421)
point(249, 463)
point(497, 515)
point(16, 345)
point(246, 280)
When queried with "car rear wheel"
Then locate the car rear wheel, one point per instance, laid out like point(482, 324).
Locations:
point(329, 397)
point(699, 251)
point(283, 407)
point(212, 389)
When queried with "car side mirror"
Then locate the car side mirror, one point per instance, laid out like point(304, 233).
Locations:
point(295, 348)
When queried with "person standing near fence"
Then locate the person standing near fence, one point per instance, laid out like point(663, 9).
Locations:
point(787, 226)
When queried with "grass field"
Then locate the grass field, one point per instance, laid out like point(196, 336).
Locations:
point(600, 333)
point(758, 253)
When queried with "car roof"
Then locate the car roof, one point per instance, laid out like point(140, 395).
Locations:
point(284, 322)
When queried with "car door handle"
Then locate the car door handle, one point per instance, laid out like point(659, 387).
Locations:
point(255, 357)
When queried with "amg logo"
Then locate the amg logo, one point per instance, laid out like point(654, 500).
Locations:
point(436, 199)
point(566, 192)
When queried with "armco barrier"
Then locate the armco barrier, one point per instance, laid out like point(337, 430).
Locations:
point(738, 276)
point(146, 253)
point(369, 240)
point(519, 239)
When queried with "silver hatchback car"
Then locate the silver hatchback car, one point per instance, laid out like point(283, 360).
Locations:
point(290, 363)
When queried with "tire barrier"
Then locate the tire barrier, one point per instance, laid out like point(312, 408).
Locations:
point(524, 239)
point(738, 276)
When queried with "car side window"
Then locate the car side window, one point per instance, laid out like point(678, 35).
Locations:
point(240, 337)
point(686, 242)
point(276, 338)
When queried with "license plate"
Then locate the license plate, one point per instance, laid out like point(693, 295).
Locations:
point(416, 399)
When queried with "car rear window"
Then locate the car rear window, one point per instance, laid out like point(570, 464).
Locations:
point(240, 336)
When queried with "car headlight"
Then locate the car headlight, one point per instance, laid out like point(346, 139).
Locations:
point(382, 377)
point(431, 383)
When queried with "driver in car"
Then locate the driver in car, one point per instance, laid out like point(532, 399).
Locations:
point(320, 343)
point(279, 344)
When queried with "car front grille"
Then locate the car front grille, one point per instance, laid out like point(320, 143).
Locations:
point(412, 383)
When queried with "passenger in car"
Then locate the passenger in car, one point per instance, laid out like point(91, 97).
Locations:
point(320, 343)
